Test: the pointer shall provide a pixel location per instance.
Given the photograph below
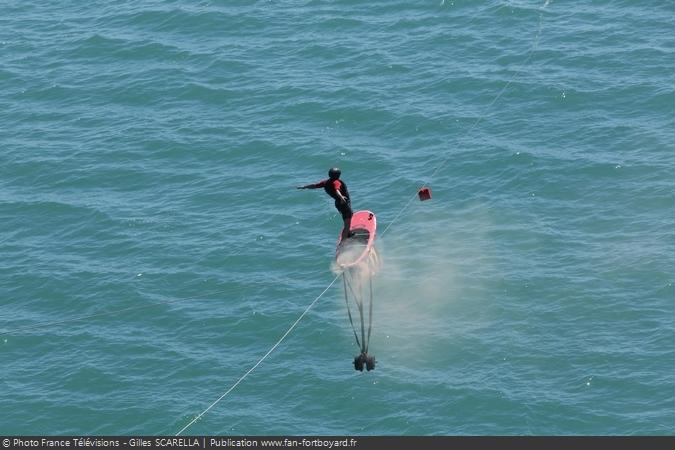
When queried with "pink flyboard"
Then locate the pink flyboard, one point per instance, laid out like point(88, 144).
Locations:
point(356, 248)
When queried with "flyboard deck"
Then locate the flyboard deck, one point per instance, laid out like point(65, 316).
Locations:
point(356, 248)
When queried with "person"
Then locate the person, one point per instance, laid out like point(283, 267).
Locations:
point(337, 189)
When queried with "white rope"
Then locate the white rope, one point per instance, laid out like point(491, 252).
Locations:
point(475, 124)
point(261, 359)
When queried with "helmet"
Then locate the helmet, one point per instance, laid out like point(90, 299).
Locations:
point(334, 173)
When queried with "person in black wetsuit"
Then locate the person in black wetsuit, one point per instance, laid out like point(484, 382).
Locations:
point(337, 189)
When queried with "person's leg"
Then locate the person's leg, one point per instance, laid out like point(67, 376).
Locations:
point(346, 211)
point(345, 230)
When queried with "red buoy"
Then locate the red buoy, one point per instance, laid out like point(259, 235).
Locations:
point(424, 193)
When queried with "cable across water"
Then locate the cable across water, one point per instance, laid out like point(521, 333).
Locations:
point(394, 220)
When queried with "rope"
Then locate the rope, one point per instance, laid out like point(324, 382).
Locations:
point(365, 338)
point(349, 312)
point(405, 207)
point(359, 303)
point(362, 344)
point(261, 359)
point(370, 313)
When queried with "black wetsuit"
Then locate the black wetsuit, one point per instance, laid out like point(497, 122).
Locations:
point(331, 187)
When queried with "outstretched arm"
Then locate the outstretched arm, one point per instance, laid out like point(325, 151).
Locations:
point(311, 186)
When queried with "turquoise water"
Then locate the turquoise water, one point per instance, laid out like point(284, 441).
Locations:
point(154, 247)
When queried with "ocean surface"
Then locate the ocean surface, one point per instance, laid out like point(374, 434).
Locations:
point(154, 247)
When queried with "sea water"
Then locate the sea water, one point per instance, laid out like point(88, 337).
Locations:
point(154, 247)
